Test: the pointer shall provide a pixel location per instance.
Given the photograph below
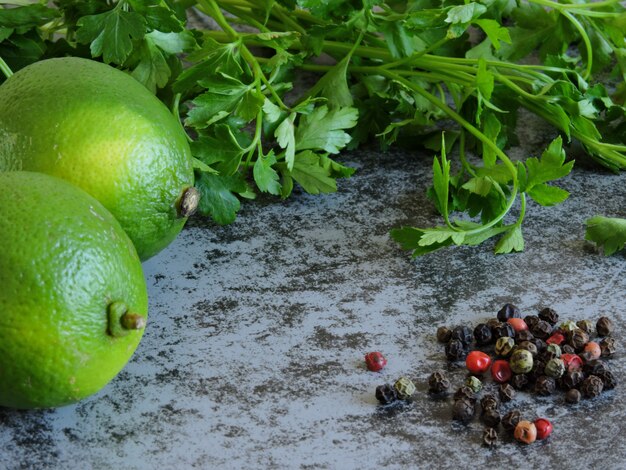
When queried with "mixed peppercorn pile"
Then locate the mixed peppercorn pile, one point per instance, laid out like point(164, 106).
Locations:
point(537, 354)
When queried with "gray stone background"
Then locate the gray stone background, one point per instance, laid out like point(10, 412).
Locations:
point(253, 355)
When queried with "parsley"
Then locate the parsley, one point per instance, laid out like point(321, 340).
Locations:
point(401, 71)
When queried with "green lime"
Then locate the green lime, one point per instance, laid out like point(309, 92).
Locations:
point(73, 302)
point(99, 128)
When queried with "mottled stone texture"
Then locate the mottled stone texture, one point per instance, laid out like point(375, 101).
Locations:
point(253, 356)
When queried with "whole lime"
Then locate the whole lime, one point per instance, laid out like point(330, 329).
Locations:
point(100, 129)
point(73, 302)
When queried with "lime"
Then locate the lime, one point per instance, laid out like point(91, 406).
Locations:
point(73, 302)
point(100, 129)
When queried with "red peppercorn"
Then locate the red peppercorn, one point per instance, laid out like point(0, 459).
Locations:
point(518, 324)
point(572, 361)
point(501, 371)
point(477, 362)
point(556, 338)
point(544, 428)
point(375, 361)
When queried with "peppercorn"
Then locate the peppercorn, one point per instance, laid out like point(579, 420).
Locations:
point(508, 311)
point(523, 335)
point(572, 361)
point(554, 368)
point(375, 361)
point(544, 428)
point(608, 379)
point(386, 394)
point(545, 385)
point(592, 386)
point(474, 383)
point(571, 379)
point(538, 366)
point(519, 381)
point(465, 393)
point(585, 325)
point(477, 362)
point(511, 419)
point(567, 349)
point(518, 324)
point(531, 320)
point(482, 334)
point(577, 339)
point(501, 371)
point(572, 396)
point(594, 367)
point(405, 388)
point(542, 329)
point(491, 418)
point(455, 350)
point(528, 346)
point(506, 392)
point(548, 314)
point(525, 432)
point(521, 361)
point(438, 382)
point(490, 437)
point(503, 329)
point(463, 410)
point(593, 349)
point(557, 338)
point(567, 326)
point(604, 326)
point(443, 334)
point(493, 323)
point(607, 347)
point(504, 346)
point(539, 344)
point(463, 334)
point(489, 402)
point(552, 351)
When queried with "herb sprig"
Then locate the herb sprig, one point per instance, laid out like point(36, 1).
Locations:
point(398, 71)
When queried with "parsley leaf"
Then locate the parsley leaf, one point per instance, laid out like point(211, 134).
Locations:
point(608, 233)
point(324, 129)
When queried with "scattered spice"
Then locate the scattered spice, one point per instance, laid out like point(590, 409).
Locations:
point(511, 419)
point(604, 326)
point(482, 334)
point(506, 392)
point(508, 311)
point(521, 361)
point(455, 350)
point(501, 371)
point(592, 386)
point(607, 347)
point(463, 410)
point(504, 346)
point(474, 384)
point(490, 437)
point(375, 361)
point(489, 402)
point(478, 362)
point(572, 396)
point(463, 334)
point(545, 385)
point(549, 315)
point(386, 394)
point(555, 368)
point(443, 334)
point(491, 418)
point(438, 382)
point(544, 428)
point(525, 432)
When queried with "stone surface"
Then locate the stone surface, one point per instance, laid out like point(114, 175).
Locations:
point(253, 355)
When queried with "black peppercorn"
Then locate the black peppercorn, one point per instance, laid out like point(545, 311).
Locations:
point(489, 402)
point(465, 392)
point(608, 379)
point(491, 418)
point(539, 344)
point(604, 326)
point(523, 335)
point(508, 311)
point(463, 410)
point(567, 349)
point(443, 334)
point(507, 392)
point(455, 350)
point(608, 347)
point(545, 385)
point(548, 314)
point(528, 346)
point(577, 339)
point(572, 396)
point(592, 386)
point(438, 382)
point(594, 367)
point(571, 379)
point(502, 330)
point(585, 325)
point(463, 334)
point(531, 320)
point(482, 334)
point(542, 329)
point(492, 323)
point(386, 394)
point(519, 381)
point(509, 421)
point(538, 367)
point(490, 437)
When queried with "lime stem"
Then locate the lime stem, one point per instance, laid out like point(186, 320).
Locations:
point(133, 321)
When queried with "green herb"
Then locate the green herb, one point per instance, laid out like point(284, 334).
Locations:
point(397, 70)
point(608, 233)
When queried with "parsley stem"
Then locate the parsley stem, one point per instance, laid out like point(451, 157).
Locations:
point(585, 37)
point(5, 69)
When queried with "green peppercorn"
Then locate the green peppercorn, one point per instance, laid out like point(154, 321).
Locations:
point(555, 368)
point(405, 388)
point(443, 334)
point(521, 361)
point(552, 351)
point(490, 437)
point(604, 326)
point(592, 386)
point(585, 325)
point(504, 346)
point(474, 383)
point(567, 326)
point(509, 421)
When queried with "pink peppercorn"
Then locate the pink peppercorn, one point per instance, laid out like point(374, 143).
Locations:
point(572, 361)
point(518, 324)
point(477, 362)
point(375, 361)
point(556, 338)
point(544, 428)
point(501, 371)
